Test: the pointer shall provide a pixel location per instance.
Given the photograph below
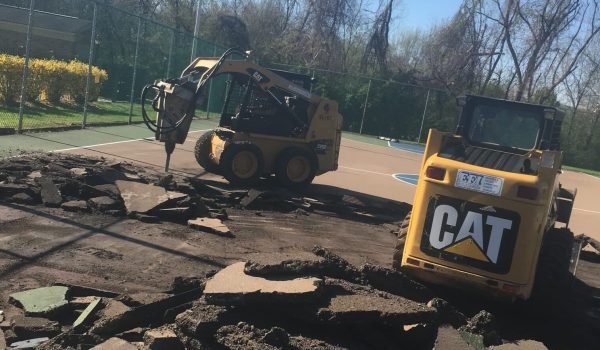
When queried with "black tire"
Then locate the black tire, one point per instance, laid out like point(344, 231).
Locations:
point(227, 166)
point(553, 278)
point(202, 152)
point(399, 248)
point(303, 157)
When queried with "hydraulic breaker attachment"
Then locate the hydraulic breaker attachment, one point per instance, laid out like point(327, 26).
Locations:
point(175, 101)
point(174, 106)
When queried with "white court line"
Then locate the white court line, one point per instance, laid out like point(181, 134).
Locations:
point(114, 143)
point(404, 150)
point(588, 211)
point(406, 182)
point(363, 170)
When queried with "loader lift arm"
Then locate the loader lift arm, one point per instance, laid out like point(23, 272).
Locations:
point(176, 99)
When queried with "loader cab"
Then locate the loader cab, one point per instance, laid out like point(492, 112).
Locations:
point(503, 135)
point(508, 125)
point(277, 112)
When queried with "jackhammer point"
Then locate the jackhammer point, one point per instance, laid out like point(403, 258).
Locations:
point(167, 162)
point(169, 148)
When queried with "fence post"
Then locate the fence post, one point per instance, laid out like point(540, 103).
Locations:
point(362, 121)
point(423, 118)
point(25, 66)
point(210, 86)
point(170, 52)
point(89, 73)
point(196, 29)
point(137, 47)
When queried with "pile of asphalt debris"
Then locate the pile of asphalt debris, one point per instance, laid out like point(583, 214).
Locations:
point(88, 184)
point(273, 301)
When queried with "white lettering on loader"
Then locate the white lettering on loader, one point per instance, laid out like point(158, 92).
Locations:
point(436, 227)
point(472, 226)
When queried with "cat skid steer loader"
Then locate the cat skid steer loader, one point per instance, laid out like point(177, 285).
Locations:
point(270, 122)
point(489, 212)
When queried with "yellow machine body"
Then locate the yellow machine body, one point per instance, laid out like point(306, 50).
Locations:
point(275, 115)
point(484, 236)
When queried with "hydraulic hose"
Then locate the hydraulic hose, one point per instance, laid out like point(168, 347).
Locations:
point(148, 121)
point(154, 127)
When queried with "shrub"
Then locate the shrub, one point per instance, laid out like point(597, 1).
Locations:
point(52, 79)
point(48, 80)
point(77, 76)
point(11, 70)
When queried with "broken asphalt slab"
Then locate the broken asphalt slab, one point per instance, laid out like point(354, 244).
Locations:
point(232, 286)
point(34, 327)
point(364, 310)
point(142, 198)
point(244, 336)
point(449, 338)
point(210, 225)
point(104, 203)
point(29, 343)
point(50, 195)
point(284, 264)
point(521, 345)
point(75, 206)
point(203, 320)
point(143, 315)
point(83, 317)
point(395, 282)
point(115, 344)
point(113, 308)
point(76, 290)
point(142, 298)
point(9, 189)
point(41, 301)
point(163, 338)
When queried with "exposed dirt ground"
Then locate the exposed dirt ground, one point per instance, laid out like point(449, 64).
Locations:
point(41, 246)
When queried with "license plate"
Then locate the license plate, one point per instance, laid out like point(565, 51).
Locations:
point(479, 182)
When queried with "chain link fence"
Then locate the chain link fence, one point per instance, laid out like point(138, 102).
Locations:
point(134, 51)
point(382, 107)
point(131, 50)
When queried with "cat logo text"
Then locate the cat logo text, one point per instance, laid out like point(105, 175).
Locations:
point(470, 233)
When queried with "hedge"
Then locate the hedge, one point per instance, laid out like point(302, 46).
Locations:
point(49, 80)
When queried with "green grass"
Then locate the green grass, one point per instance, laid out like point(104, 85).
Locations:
point(586, 171)
point(40, 116)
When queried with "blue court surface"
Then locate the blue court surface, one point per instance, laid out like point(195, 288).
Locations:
point(408, 147)
point(410, 179)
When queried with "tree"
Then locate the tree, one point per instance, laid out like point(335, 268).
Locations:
point(545, 40)
point(376, 51)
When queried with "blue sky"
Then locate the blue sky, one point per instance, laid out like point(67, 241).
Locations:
point(422, 14)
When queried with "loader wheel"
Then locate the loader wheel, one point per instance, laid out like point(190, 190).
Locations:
point(241, 164)
point(202, 152)
point(296, 167)
point(553, 278)
point(397, 259)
